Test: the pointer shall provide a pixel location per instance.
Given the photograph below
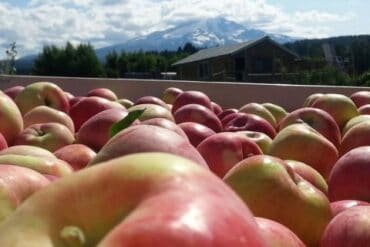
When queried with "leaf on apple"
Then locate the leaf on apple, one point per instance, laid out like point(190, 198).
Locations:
point(125, 122)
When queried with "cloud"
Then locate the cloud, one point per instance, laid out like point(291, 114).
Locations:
point(107, 22)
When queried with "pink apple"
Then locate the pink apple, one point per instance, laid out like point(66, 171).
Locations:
point(3, 143)
point(167, 124)
point(77, 155)
point(340, 206)
point(103, 93)
point(191, 97)
point(356, 136)
point(75, 100)
point(151, 100)
point(364, 110)
point(361, 98)
point(12, 92)
point(226, 112)
point(259, 110)
point(196, 132)
point(170, 94)
point(216, 108)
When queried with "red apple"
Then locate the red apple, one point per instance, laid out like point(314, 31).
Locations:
point(259, 110)
point(103, 93)
point(12, 92)
point(216, 108)
point(339, 206)
point(170, 94)
point(196, 132)
point(226, 112)
point(361, 98)
point(167, 124)
point(75, 100)
point(77, 155)
point(356, 136)
point(151, 100)
point(11, 123)
point(191, 97)
point(364, 110)
point(69, 96)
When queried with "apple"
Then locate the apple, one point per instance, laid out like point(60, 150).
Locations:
point(147, 138)
point(259, 110)
point(95, 132)
point(349, 178)
point(272, 190)
point(152, 111)
point(191, 97)
point(318, 119)
point(216, 108)
point(348, 229)
point(69, 96)
point(340, 206)
point(360, 98)
point(226, 112)
point(198, 114)
point(277, 111)
point(364, 110)
point(89, 106)
point(125, 102)
point(150, 199)
point(16, 185)
point(252, 122)
point(354, 121)
point(151, 100)
point(226, 119)
point(302, 143)
point(3, 143)
point(42, 93)
point(45, 114)
point(261, 139)
point(11, 123)
point(103, 93)
point(311, 98)
point(278, 235)
point(167, 124)
point(170, 94)
point(12, 92)
point(28, 150)
point(78, 156)
point(224, 150)
point(50, 136)
point(75, 100)
point(356, 136)
point(196, 132)
point(339, 106)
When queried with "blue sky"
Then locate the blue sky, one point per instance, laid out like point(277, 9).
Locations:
point(35, 23)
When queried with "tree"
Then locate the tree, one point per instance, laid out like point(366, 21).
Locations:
point(8, 66)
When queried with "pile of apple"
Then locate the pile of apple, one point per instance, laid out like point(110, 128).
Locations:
point(180, 170)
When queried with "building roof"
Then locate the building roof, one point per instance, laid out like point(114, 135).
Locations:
point(226, 50)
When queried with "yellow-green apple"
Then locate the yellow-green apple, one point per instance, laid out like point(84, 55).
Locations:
point(152, 111)
point(12, 92)
point(3, 143)
point(278, 235)
point(151, 100)
point(103, 93)
point(224, 150)
point(28, 150)
point(196, 132)
point(226, 112)
point(95, 132)
point(272, 190)
point(339, 106)
point(348, 229)
point(45, 114)
point(87, 107)
point(277, 111)
point(198, 114)
point(150, 199)
point(167, 124)
point(11, 123)
point(357, 136)
point(339, 206)
point(78, 156)
point(42, 93)
point(125, 102)
point(318, 119)
point(311, 98)
point(170, 94)
point(361, 98)
point(261, 139)
point(354, 121)
point(252, 122)
point(259, 110)
point(309, 174)
point(365, 109)
point(50, 136)
point(302, 143)
point(147, 138)
point(16, 185)
point(349, 178)
point(191, 97)
point(216, 108)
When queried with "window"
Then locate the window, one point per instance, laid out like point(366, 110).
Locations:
point(204, 70)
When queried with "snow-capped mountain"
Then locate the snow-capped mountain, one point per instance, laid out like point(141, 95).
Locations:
point(201, 33)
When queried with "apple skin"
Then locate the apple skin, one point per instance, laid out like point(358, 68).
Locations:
point(151, 100)
point(78, 156)
point(45, 114)
point(170, 94)
point(339, 106)
point(261, 139)
point(348, 229)
point(309, 174)
point(152, 111)
point(225, 120)
point(167, 124)
point(125, 102)
point(318, 119)
point(151, 199)
point(360, 98)
point(364, 110)
point(226, 112)
point(16, 185)
point(216, 108)
point(302, 143)
point(339, 206)
point(11, 123)
point(196, 132)
point(75, 100)
point(278, 235)
point(259, 110)
point(252, 122)
point(87, 107)
point(349, 178)
point(198, 114)
point(94, 133)
point(277, 111)
point(262, 181)
point(103, 93)
point(354, 121)
point(42, 93)
point(12, 92)
point(147, 138)
point(356, 136)
point(222, 151)
point(3, 143)
point(310, 99)
point(28, 150)
point(191, 97)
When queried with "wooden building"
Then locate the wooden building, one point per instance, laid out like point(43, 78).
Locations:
point(240, 62)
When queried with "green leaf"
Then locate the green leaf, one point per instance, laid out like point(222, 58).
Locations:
point(125, 122)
